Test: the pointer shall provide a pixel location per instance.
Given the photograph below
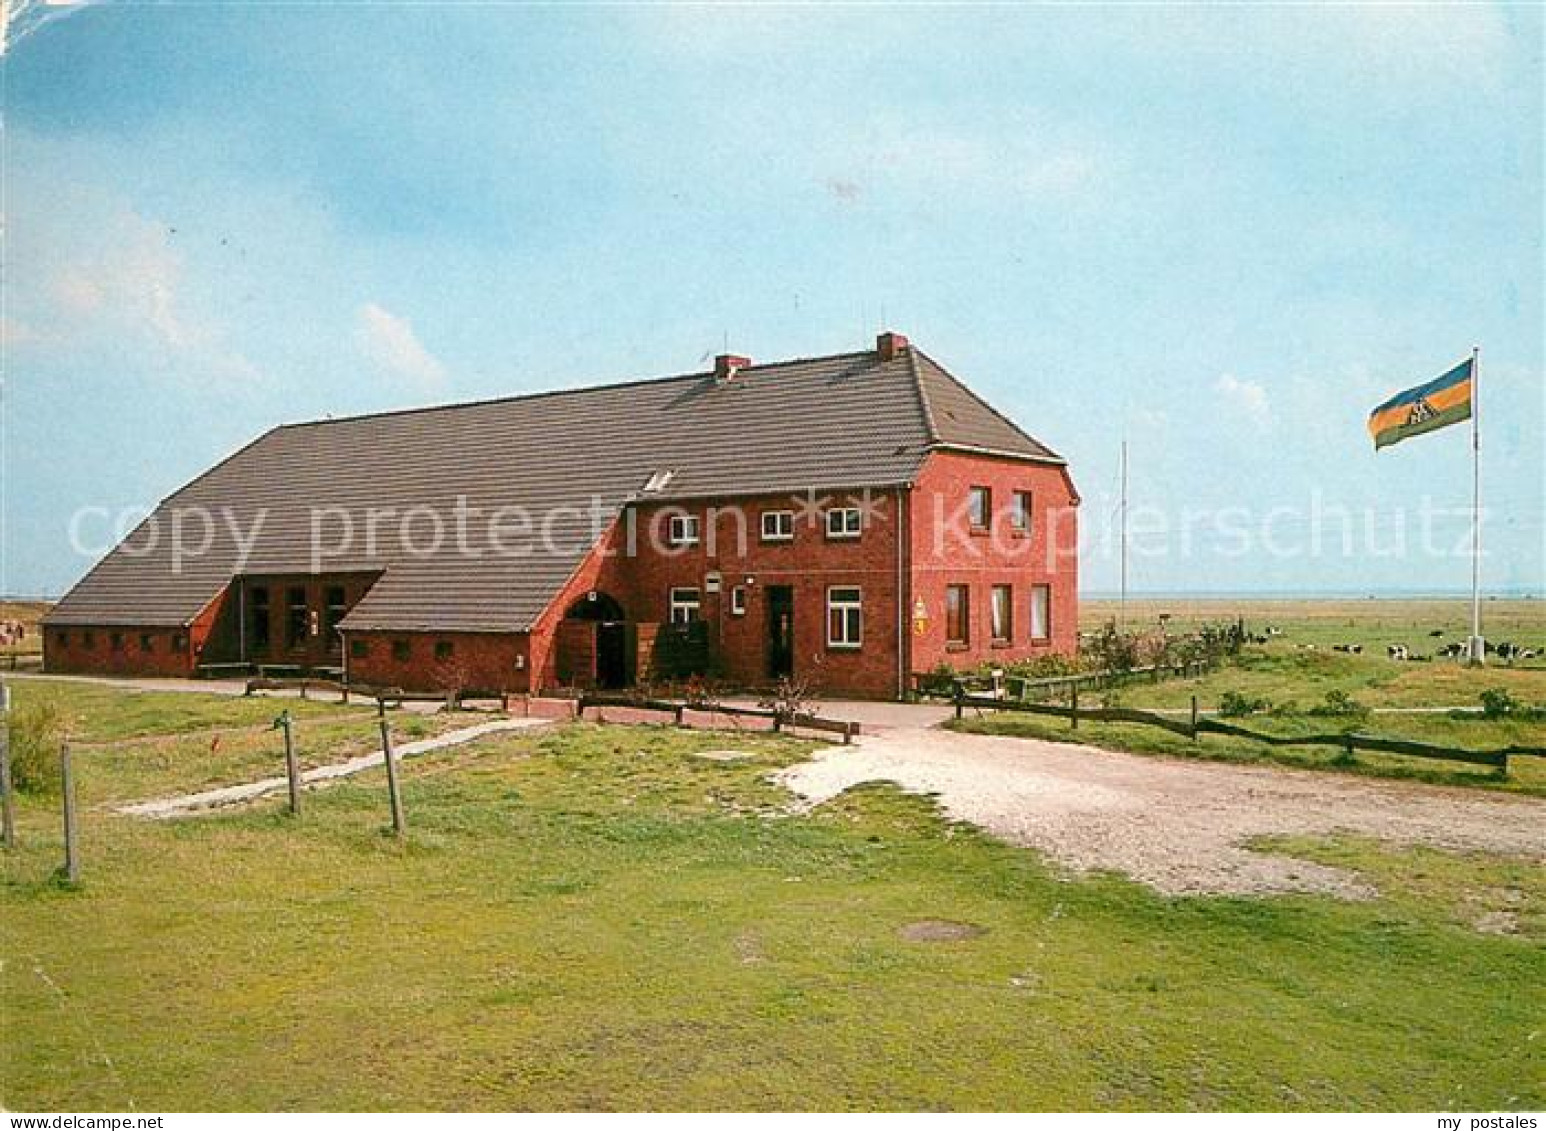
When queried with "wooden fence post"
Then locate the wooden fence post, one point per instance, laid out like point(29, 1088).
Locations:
point(7, 798)
point(72, 858)
point(1194, 718)
point(1073, 706)
point(292, 766)
point(399, 825)
point(958, 694)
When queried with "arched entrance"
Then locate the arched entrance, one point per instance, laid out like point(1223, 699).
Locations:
point(610, 640)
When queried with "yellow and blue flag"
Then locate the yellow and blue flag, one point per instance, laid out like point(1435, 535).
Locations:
point(1441, 402)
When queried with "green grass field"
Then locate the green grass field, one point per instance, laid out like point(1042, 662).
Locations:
point(593, 917)
point(1295, 679)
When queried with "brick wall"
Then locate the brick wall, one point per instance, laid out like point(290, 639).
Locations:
point(158, 651)
point(477, 661)
point(118, 650)
point(947, 551)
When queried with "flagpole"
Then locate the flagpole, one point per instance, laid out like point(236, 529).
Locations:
point(1477, 647)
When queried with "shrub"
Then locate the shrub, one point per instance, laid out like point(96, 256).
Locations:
point(1112, 649)
point(1233, 705)
point(35, 732)
point(1497, 703)
point(1338, 704)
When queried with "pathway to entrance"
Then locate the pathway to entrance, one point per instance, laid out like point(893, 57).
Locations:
point(190, 803)
point(1180, 826)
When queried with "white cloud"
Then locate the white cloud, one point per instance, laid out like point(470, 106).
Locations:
point(1247, 397)
point(389, 342)
point(107, 278)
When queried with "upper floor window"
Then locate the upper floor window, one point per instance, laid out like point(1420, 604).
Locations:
point(845, 617)
point(980, 508)
point(777, 526)
point(685, 605)
point(844, 522)
point(1020, 513)
point(958, 621)
point(1001, 619)
point(1041, 612)
point(684, 530)
point(738, 601)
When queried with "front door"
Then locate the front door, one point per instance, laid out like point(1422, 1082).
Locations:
point(780, 605)
point(612, 654)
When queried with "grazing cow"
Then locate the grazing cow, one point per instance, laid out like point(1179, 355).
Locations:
point(1437, 632)
point(1397, 652)
point(1453, 650)
point(1274, 631)
point(1351, 649)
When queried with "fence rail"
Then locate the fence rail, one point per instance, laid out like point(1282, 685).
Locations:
point(780, 719)
point(1350, 742)
point(1025, 688)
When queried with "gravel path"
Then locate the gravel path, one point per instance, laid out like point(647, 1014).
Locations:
point(190, 803)
point(1175, 825)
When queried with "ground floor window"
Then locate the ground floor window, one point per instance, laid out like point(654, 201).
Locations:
point(845, 617)
point(147, 642)
point(686, 604)
point(444, 649)
point(1041, 612)
point(258, 630)
point(958, 627)
point(1002, 613)
point(116, 641)
point(402, 650)
point(359, 649)
point(295, 622)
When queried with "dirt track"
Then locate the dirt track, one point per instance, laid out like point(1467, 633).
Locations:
point(1176, 825)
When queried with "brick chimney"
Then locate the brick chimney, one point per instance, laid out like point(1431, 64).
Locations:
point(890, 346)
point(727, 365)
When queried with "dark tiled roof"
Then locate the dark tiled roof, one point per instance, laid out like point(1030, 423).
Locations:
point(572, 458)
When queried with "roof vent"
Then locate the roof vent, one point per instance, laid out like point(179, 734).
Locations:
point(890, 346)
point(727, 365)
point(658, 481)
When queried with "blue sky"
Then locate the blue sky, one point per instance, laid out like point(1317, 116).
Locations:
point(1223, 233)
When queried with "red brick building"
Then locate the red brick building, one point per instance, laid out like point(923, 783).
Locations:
point(843, 520)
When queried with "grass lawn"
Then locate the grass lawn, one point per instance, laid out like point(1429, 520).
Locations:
point(1294, 680)
point(592, 917)
point(136, 745)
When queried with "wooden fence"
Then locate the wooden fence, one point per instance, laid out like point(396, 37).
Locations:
point(1026, 688)
point(1195, 726)
point(678, 710)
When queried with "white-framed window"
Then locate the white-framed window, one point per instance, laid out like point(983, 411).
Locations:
point(1020, 515)
point(1001, 617)
point(1041, 612)
point(686, 604)
point(683, 530)
point(844, 522)
point(777, 526)
point(980, 507)
point(738, 601)
point(845, 617)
